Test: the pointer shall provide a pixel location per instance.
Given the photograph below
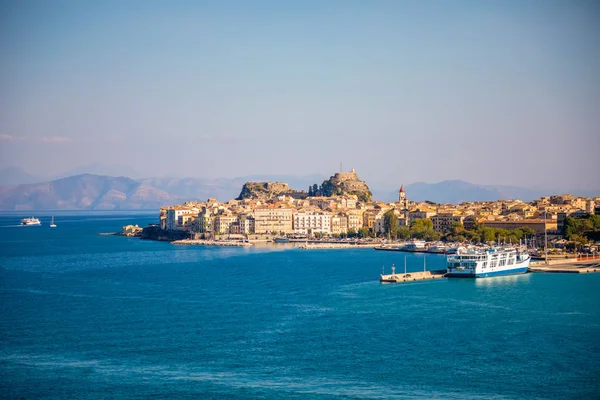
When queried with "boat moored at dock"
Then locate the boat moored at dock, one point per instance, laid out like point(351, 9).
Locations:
point(481, 263)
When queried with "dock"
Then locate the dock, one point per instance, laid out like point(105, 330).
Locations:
point(577, 267)
point(412, 276)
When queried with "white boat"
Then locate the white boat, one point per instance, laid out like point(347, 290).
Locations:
point(52, 224)
point(480, 263)
point(30, 221)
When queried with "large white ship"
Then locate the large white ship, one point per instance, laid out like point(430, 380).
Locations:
point(30, 221)
point(480, 263)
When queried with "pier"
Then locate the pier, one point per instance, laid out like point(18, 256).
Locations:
point(412, 276)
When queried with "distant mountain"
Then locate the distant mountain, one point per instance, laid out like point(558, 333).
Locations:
point(450, 192)
point(457, 191)
point(224, 189)
point(84, 192)
point(101, 169)
point(16, 176)
point(521, 193)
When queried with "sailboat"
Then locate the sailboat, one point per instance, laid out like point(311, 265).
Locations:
point(52, 224)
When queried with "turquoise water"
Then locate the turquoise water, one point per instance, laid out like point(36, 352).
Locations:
point(85, 316)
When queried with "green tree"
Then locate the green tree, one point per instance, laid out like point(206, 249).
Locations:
point(363, 232)
point(488, 234)
point(390, 224)
point(352, 233)
point(403, 232)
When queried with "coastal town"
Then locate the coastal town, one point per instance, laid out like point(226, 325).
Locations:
point(342, 207)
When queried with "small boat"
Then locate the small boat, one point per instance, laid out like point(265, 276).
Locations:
point(281, 239)
point(30, 221)
point(52, 224)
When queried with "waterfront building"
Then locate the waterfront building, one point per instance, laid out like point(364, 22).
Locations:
point(204, 222)
point(223, 223)
point(179, 218)
point(273, 219)
point(310, 222)
point(354, 220)
point(370, 217)
point(339, 224)
point(245, 224)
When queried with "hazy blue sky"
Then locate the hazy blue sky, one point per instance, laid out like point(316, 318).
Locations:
point(498, 92)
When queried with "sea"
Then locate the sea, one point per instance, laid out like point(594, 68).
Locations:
point(84, 316)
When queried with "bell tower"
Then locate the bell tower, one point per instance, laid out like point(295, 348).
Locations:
point(401, 195)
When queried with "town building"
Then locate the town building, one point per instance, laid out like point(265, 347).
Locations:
point(273, 219)
point(311, 222)
point(443, 222)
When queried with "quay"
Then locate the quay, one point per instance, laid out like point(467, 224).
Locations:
point(572, 266)
point(200, 242)
point(312, 246)
point(412, 276)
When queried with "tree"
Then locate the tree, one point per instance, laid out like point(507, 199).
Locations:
point(403, 232)
point(363, 232)
point(315, 189)
point(390, 224)
point(310, 191)
point(352, 233)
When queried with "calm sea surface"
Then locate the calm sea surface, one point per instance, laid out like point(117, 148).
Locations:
point(85, 316)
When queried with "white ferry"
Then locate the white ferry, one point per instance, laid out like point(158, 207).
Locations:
point(480, 263)
point(30, 221)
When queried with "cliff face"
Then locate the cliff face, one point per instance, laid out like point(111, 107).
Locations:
point(343, 183)
point(264, 190)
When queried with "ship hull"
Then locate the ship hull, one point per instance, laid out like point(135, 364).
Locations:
point(512, 271)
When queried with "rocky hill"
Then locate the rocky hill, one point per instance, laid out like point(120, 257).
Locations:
point(343, 183)
point(266, 190)
point(84, 192)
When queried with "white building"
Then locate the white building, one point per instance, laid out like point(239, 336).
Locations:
point(309, 222)
point(175, 218)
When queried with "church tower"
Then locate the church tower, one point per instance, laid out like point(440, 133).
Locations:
point(402, 195)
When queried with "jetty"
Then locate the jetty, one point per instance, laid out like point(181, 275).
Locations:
point(412, 276)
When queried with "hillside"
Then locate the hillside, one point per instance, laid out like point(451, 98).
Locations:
point(84, 192)
point(344, 183)
point(265, 190)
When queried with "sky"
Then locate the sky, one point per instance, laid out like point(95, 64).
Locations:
point(490, 92)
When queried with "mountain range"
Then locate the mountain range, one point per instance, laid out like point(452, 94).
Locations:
point(84, 192)
point(22, 191)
